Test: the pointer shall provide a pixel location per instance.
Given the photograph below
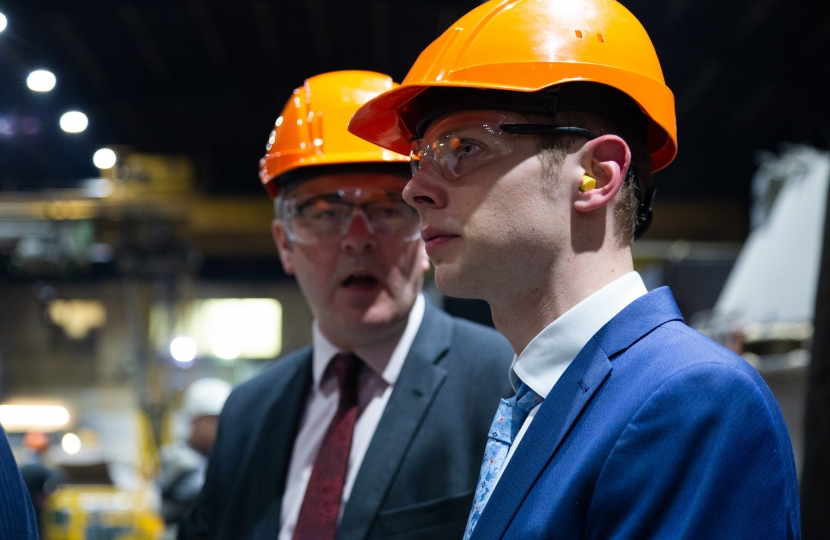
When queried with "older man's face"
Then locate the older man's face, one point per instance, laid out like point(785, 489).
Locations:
point(360, 280)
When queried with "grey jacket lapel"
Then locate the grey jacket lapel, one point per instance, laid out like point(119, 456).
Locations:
point(414, 391)
point(271, 458)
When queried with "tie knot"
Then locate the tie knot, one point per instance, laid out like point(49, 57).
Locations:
point(526, 399)
point(346, 367)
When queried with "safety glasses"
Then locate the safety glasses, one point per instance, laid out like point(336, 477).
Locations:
point(328, 217)
point(465, 142)
point(468, 141)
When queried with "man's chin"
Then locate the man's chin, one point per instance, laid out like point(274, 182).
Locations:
point(451, 281)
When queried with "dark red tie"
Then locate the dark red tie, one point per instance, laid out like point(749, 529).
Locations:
point(321, 504)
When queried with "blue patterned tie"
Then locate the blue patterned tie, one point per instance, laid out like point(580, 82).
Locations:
point(509, 419)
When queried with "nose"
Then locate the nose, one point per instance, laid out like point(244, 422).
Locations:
point(425, 190)
point(359, 235)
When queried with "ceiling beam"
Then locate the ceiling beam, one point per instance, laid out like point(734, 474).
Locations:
point(381, 36)
point(210, 34)
point(147, 48)
point(317, 21)
point(754, 17)
point(268, 37)
point(80, 53)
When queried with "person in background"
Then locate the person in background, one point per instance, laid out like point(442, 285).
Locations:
point(536, 126)
point(40, 479)
point(376, 429)
point(184, 462)
point(17, 515)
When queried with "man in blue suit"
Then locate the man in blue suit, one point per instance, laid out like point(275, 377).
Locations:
point(535, 126)
point(376, 430)
point(17, 516)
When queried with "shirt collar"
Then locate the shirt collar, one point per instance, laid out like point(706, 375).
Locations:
point(384, 359)
point(550, 353)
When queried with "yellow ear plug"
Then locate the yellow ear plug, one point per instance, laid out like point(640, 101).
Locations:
point(588, 183)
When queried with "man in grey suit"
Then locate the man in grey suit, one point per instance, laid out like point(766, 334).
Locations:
point(377, 429)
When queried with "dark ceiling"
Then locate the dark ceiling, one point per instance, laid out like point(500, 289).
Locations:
point(207, 78)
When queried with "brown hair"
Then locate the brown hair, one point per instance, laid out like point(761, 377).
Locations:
point(554, 148)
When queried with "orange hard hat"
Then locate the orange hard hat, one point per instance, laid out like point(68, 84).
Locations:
point(312, 127)
point(528, 46)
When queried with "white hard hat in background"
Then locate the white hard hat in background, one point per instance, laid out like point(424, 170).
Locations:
point(205, 397)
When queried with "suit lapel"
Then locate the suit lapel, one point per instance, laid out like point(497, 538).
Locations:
point(414, 391)
point(565, 403)
point(549, 428)
point(270, 457)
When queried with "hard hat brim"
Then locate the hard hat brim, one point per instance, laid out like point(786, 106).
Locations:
point(384, 122)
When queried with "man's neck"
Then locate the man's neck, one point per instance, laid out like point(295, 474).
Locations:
point(521, 312)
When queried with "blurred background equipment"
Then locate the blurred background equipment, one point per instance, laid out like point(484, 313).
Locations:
point(100, 512)
point(766, 309)
point(183, 462)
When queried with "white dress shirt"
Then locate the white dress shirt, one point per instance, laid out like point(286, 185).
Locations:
point(550, 353)
point(375, 384)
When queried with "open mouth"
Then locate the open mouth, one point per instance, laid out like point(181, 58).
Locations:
point(360, 280)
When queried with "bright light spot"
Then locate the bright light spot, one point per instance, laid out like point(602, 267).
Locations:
point(41, 80)
point(33, 417)
point(74, 122)
point(278, 123)
point(318, 142)
point(3, 22)
point(77, 317)
point(299, 121)
point(227, 347)
point(71, 444)
point(183, 349)
point(97, 187)
point(104, 158)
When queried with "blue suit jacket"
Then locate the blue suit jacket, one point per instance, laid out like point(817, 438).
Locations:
point(419, 474)
point(17, 517)
point(654, 431)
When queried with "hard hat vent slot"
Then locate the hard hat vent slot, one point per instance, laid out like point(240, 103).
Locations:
point(601, 38)
point(578, 34)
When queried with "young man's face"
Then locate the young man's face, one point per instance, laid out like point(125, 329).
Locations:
point(489, 214)
point(353, 246)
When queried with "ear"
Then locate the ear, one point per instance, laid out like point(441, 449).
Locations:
point(283, 245)
point(606, 160)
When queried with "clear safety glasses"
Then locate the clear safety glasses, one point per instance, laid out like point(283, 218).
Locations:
point(468, 141)
point(328, 217)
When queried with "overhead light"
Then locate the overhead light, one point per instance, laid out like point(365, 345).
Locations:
point(227, 347)
point(33, 417)
point(3, 22)
point(74, 122)
point(41, 80)
point(183, 349)
point(71, 444)
point(104, 158)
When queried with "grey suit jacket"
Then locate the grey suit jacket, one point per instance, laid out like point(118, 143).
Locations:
point(418, 477)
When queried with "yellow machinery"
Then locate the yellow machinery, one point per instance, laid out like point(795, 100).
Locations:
point(89, 512)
